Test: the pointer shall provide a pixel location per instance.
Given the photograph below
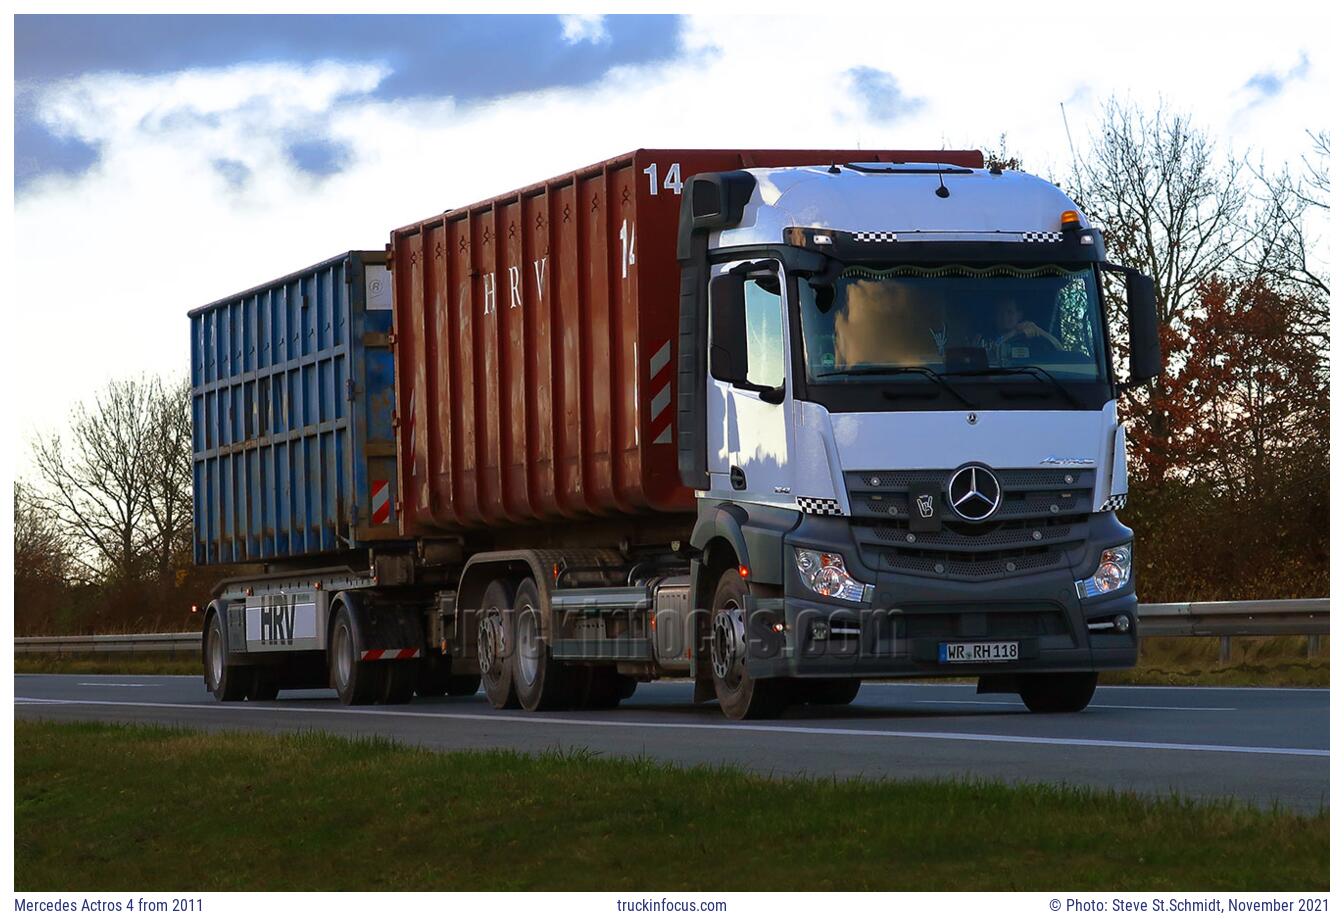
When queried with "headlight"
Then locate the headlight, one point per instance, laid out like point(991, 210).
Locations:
point(1111, 575)
point(825, 573)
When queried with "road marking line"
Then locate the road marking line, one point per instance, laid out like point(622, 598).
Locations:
point(47, 702)
point(115, 685)
point(1090, 706)
point(716, 726)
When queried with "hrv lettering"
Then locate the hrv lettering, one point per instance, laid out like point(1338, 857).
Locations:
point(277, 622)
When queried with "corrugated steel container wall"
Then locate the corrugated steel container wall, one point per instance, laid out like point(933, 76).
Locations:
point(536, 343)
point(291, 391)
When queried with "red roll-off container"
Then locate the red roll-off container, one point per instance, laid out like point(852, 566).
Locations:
point(535, 337)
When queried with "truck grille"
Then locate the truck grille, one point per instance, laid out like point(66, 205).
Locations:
point(1042, 518)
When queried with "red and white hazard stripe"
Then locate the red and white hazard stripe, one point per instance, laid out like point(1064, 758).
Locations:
point(659, 416)
point(381, 501)
point(390, 654)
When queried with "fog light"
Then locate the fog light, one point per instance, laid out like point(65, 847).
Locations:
point(1122, 623)
point(820, 631)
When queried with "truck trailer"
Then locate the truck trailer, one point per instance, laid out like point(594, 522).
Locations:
point(776, 421)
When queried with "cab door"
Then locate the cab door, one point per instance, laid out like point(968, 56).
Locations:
point(750, 461)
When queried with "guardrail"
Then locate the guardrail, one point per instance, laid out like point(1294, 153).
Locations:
point(1308, 617)
point(150, 643)
point(1221, 619)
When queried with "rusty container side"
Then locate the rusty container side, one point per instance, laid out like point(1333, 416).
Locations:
point(535, 340)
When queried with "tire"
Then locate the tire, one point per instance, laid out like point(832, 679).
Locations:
point(829, 691)
point(398, 682)
point(358, 683)
point(541, 682)
point(227, 684)
point(264, 686)
point(740, 696)
point(1058, 692)
point(494, 645)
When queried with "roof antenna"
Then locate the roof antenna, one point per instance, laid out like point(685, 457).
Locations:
point(941, 191)
point(834, 169)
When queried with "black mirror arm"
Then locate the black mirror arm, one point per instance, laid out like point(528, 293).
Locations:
point(772, 395)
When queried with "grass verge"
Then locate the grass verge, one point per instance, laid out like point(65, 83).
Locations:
point(107, 664)
point(117, 807)
point(1275, 662)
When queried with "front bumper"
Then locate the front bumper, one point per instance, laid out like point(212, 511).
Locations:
point(897, 632)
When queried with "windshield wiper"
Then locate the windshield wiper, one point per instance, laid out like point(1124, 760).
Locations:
point(1034, 370)
point(889, 370)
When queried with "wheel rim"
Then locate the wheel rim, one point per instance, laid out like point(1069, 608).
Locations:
point(726, 647)
point(215, 654)
point(488, 635)
point(344, 649)
point(529, 646)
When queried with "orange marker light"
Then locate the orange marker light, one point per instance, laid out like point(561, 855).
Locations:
point(744, 571)
point(1070, 220)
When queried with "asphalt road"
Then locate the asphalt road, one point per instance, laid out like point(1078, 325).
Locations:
point(1260, 745)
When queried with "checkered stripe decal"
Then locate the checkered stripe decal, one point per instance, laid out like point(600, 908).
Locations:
point(827, 506)
point(1044, 236)
point(884, 236)
point(1115, 502)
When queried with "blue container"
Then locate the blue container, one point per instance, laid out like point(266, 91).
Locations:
point(292, 399)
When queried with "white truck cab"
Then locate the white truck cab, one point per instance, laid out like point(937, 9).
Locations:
point(898, 401)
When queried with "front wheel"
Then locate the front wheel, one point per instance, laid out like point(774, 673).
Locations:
point(1058, 692)
point(740, 695)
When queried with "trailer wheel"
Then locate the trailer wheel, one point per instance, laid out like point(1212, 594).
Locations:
point(357, 682)
point(540, 681)
point(1058, 692)
point(494, 643)
point(740, 695)
point(830, 691)
point(265, 687)
point(227, 684)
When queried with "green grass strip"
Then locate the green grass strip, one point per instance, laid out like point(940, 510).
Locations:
point(117, 807)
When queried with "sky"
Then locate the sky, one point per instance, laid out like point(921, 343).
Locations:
point(162, 162)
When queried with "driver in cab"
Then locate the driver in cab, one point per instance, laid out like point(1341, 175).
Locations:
point(1015, 337)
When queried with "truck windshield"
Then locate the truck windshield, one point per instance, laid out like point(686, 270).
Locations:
point(954, 320)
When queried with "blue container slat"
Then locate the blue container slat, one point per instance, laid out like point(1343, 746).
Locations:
point(291, 406)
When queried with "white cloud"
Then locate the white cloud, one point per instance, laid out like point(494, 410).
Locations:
point(112, 260)
point(585, 27)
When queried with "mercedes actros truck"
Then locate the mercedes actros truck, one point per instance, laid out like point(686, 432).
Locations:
point(776, 421)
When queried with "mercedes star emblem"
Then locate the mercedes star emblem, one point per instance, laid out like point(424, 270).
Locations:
point(974, 492)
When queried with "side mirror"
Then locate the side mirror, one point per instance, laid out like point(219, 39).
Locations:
point(1145, 351)
point(728, 329)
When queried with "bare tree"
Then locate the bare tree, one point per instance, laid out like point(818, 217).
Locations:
point(41, 552)
point(167, 470)
point(95, 484)
point(1171, 206)
point(1291, 203)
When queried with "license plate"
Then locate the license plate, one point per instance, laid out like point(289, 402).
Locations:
point(972, 652)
